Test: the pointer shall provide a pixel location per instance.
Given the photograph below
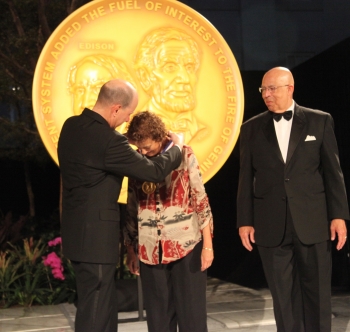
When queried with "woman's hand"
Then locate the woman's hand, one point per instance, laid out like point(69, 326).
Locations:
point(131, 261)
point(207, 258)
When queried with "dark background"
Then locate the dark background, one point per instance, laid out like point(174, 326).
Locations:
point(317, 53)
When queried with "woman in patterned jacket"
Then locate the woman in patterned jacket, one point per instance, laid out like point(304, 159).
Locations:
point(170, 225)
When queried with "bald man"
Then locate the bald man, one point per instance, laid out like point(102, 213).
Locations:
point(93, 160)
point(291, 202)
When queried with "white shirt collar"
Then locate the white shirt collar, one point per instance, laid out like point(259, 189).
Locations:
point(291, 107)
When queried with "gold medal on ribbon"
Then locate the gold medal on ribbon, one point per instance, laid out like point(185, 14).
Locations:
point(148, 187)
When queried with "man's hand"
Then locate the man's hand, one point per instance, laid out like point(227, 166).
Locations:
point(338, 228)
point(131, 261)
point(247, 236)
point(178, 139)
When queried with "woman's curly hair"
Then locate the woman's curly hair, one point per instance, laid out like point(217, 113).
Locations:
point(146, 125)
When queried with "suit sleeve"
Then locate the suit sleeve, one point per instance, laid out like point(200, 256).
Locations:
point(337, 203)
point(245, 194)
point(121, 159)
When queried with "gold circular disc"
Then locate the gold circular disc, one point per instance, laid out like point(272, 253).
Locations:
point(148, 187)
point(180, 64)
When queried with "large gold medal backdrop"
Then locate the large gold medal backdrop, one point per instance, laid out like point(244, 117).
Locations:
point(180, 64)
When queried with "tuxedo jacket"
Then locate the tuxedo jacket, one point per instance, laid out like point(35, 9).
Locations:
point(93, 160)
point(310, 181)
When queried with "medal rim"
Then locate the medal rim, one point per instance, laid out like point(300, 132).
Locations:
point(148, 191)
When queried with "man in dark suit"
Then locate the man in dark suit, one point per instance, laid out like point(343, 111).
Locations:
point(291, 201)
point(93, 160)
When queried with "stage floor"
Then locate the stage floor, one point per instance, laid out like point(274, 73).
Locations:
point(231, 307)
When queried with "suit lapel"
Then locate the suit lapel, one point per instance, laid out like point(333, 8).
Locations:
point(298, 127)
point(270, 133)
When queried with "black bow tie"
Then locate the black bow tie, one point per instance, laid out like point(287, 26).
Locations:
point(287, 115)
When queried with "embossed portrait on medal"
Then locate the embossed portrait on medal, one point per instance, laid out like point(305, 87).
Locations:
point(87, 76)
point(166, 65)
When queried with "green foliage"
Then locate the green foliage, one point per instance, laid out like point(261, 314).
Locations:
point(9, 273)
point(66, 291)
point(25, 26)
point(20, 141)
point(25, 280)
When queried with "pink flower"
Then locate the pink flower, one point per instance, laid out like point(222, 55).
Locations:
point(52, 260)
point(57, 273)
point(55, 242)
point(55, 263)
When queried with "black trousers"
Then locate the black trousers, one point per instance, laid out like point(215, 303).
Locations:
point(299, 278)
point(97, 309)
point(175, 294)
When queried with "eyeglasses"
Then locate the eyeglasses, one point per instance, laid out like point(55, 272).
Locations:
point(271, 89)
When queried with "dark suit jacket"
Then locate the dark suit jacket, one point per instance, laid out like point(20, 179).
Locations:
point(93, 160)
point(311, 179)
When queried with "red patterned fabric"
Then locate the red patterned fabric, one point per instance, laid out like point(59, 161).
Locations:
point(183, 211)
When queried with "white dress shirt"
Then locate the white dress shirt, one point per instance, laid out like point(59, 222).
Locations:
point(283, 128)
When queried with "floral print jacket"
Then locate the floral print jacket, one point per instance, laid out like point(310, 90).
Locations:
point(173, 215)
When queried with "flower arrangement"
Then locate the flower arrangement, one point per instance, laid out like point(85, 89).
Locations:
point(33, 269)
point(36, 273)
point(53, 261)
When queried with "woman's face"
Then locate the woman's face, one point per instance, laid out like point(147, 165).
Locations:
point(149, 147)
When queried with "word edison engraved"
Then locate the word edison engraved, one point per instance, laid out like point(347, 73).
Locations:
point(179, 63)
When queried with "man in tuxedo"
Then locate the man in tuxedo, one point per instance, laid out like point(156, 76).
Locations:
point(93, 160)
point(291, 202)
